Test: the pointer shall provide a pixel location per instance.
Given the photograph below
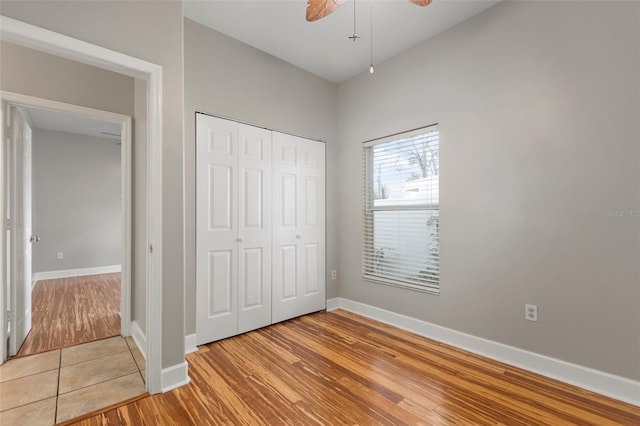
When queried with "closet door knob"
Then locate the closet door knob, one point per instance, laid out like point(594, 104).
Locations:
point(239, 240)
point(298, 236)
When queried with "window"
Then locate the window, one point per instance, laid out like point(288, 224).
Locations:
point(401, 210)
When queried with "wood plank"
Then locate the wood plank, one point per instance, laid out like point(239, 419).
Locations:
point(70, 311)
point(340, 368)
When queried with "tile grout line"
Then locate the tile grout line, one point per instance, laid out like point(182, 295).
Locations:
point(134, 358)
point(55, 415)
point(136, 363)
point(137, 370)
point(105, 356)
point(33, 374)
point(94, 359)
point(30, 374)
point(99, 383)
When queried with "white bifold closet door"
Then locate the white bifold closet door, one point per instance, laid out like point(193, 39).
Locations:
point(298, 285)
point(233, 228)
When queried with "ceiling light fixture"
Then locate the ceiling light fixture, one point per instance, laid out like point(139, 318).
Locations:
point(318, 9)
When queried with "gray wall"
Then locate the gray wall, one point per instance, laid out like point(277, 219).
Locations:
point(149, 30)
point(228, 78)
point(38, 74)
point(538, 107)
point(76, 201)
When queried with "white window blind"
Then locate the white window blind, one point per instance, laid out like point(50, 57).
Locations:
point(401, 210)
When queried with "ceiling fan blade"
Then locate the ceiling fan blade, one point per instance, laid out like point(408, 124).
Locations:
point(317, 9)
point(421, 2)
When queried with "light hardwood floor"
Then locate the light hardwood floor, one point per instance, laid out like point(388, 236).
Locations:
point(340, 368)
point(71, 311)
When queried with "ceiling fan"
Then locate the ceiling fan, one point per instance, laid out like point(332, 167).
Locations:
point(317, 9)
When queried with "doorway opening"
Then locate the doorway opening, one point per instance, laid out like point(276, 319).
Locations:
point(67, 189)
point(72, 210)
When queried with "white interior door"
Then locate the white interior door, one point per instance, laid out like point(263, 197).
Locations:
point(298, 285)
point(216, 229)
point(20, 230)
point(254, 233)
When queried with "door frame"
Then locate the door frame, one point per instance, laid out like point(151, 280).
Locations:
point(18, 100)
point(47, 41)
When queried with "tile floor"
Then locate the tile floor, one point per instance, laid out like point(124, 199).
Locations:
point(59, 385)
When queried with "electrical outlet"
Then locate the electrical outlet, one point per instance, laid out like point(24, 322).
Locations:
point(60, 255)
point(531, 312)
point(334, 274)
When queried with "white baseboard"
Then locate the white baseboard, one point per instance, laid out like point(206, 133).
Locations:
point(617, 387)
point(65, 273)
point(139, 337)
point(175, 376)
point(333, 304)
point(190, 343)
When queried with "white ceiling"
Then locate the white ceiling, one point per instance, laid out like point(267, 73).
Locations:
point(61, 122)
point(279, 27)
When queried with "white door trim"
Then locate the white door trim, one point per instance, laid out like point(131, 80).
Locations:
point(37, 38)
point(4, 119)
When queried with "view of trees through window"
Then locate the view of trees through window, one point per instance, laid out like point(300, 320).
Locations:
point(401, 213)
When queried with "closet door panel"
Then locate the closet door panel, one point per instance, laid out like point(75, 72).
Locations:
point(311, 268)
point(252, 280)
point(220, 283)
point(289, 272)
point(286, 216)
point(254, 233)
point(289, 204)
point(298, 233)
point(216, 229)
point(311, 284)
point(220, 197)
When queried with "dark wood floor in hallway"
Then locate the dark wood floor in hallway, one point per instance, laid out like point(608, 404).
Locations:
point(340, 368)
point(71, 311)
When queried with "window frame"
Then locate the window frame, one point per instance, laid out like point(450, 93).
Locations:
point(369, 209)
